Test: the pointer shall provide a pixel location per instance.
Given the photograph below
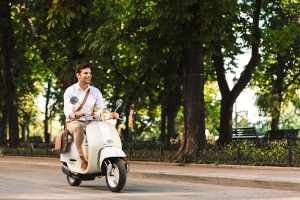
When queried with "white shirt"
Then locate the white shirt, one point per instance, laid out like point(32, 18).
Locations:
point(94, 100)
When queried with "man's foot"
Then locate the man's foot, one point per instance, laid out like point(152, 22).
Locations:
point(84, 163)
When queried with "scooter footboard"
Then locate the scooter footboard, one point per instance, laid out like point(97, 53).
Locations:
point(111, 152)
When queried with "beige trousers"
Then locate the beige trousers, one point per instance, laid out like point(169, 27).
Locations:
point(77, 129)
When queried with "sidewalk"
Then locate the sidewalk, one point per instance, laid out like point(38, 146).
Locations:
point(285, 178)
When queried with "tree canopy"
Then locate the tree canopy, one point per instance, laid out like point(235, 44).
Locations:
point(163, 58)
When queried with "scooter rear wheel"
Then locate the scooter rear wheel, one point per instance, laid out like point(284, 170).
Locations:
point(116, 180)
point(73, 181)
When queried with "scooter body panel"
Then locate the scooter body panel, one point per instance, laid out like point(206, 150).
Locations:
point(100, 137)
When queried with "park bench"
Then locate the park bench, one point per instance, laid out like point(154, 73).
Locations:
point(281, 134)
point(245, 133)
point(35, 139)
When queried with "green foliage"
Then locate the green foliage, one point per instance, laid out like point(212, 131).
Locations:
point(259, 153)
point(135, 48)
point(63, 12)
point(273, 153)
point(28, 66)
point(290, 117)
point(132, 43)
point(184, 158)
point(254, 153)
point(212, 107)
point(278, 74)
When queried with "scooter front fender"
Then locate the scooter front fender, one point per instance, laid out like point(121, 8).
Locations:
point(111, 152)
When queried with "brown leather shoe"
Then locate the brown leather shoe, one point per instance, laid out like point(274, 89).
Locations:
point(84, 163)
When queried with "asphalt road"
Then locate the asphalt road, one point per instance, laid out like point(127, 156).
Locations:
point(22, 180)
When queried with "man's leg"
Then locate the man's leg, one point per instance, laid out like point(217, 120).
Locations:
point(76, 129)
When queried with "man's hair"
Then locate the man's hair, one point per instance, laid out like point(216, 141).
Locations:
point(81, 66)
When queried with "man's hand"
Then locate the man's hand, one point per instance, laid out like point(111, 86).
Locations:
point(76, 115)
point(105, 114)
point(115, 115)
point(72, 116)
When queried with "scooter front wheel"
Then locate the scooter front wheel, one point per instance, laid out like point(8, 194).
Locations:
point(73, 181)
point(116, 177)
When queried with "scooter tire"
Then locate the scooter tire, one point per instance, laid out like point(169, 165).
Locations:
point(73, 181)
point(117, 179)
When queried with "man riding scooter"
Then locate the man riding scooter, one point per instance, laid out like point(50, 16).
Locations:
point(89, 98)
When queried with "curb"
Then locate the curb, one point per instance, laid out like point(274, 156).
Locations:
point(224, 181)
point(242, 181)
point(221, 166)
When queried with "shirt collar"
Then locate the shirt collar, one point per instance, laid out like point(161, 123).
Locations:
point(79, 88)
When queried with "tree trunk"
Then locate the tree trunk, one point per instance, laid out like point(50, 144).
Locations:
point(193, 86)
point(278, 89)
point(4, 127)
point(277, 109)
point(163, 126)
point(225, 129)
point(229, 97)
point(172, 113)
point(129, 124)
point(47, 114)
point(3, 122)
point(277, 100)
point(275, 123)
point(23, 132)
point(172, 97)
point(9, 90)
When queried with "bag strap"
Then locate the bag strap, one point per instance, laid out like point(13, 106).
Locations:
point(84, 100)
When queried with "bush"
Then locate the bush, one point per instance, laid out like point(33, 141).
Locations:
point(255, 152)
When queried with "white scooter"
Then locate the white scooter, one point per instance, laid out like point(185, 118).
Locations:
point(104, 152)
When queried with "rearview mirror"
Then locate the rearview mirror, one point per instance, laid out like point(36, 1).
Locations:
point(119, 102)
point(74, 100)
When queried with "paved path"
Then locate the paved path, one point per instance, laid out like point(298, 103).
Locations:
point(285, 178)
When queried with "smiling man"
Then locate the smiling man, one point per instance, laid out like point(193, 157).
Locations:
point(75, 121)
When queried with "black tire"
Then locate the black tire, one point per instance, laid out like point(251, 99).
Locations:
point(116, 180)
point(73, 181)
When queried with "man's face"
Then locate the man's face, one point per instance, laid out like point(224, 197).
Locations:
point(85, 76)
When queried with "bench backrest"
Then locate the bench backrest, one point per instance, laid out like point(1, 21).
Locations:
point(244, 131)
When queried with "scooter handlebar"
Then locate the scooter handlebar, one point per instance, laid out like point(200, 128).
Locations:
point(102, 115)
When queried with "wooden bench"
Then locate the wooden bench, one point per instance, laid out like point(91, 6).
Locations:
point(35, 139)
point(245, 133)
point(281, 134)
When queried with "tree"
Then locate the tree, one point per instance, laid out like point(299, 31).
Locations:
point(7, 65)
point(171, 99)
point(229, 97)
point(185, 30)
point(119, 21)
point(279, 72)
point(22, 70)
point(175, 25)
point(53, 104)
